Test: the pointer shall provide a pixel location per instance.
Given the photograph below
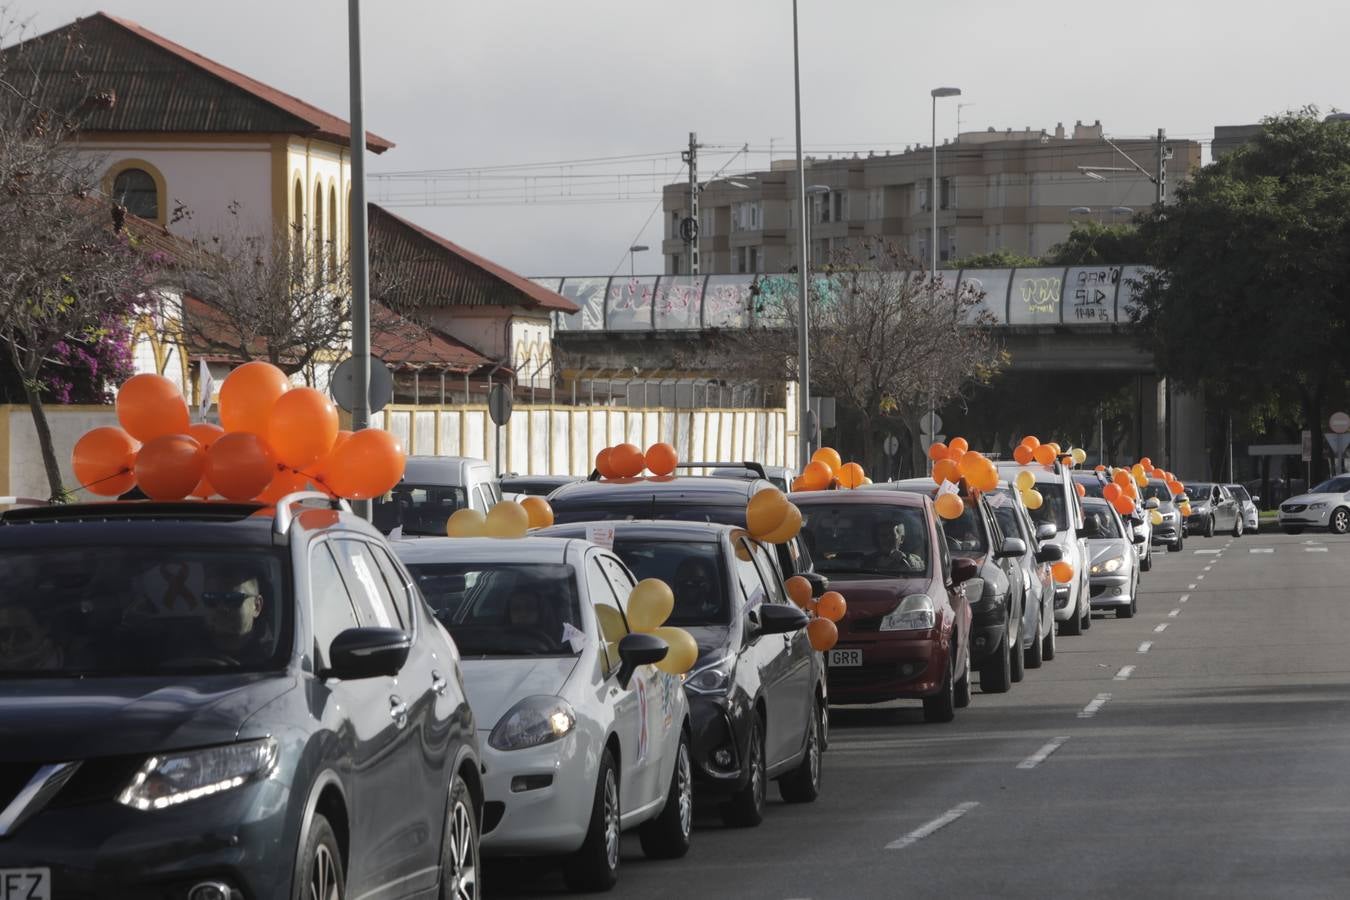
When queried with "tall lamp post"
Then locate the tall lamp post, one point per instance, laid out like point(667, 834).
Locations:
point(933, 188)
point(636, 248)
point(358, 234)
point(803, 348)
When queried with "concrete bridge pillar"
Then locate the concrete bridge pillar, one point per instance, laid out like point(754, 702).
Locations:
point(1152, 425)
point(1187, 457)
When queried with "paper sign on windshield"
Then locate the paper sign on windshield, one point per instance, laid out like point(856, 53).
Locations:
point(601, 535)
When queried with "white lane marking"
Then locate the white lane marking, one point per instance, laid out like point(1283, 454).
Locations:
point(1144, 647)
point(1212, 552)
point(1314, 549)
point(928, 828)
point(1261, 550)
point(1160, 629)
point(1124, 673)
point(1184, 598)
point(1206, 569)
point(1097, 703)
point(1190, 587)
point(1174, 613)
point(1042, 754)
point(1200, 577)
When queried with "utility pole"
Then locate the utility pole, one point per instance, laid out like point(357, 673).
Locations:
point(689, 228)
point(1162, 154)
point(803, 323)
point(358, 234)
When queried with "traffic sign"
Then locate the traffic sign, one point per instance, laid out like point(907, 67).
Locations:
point(499, 404)
point(1340, 422)
point(929, 440)
point(1338, 444)
point(930, 422)
point(1307, 446)
point(343, 384)
point(890, 445)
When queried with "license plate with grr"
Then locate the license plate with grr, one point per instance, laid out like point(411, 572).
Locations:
point(845, 657)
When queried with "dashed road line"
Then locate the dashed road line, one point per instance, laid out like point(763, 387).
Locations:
point(1174, 613)
point(1209, 552)
point(1097, 703)
point(1200, 577)
point(1314, 549)
point(1145, 646)
point(1261, 550)
point(1184, 598)
point(1160, 628)
point(1190, 587)
point(1042, 754)
point(929, 828)
point(1124, 673)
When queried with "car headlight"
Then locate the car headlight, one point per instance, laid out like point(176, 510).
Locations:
point(713, 677)
point(168, 779)
point(915, 613)
point(1106, 567)
point(533, 721)
point(1317, 506)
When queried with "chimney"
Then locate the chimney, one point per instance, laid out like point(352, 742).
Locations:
point(1059, 131)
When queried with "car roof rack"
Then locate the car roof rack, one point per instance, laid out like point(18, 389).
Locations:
point(757, 468)
point(281, 522)
point(124, 510)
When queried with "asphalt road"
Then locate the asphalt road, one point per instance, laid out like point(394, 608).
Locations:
point(1201, 749)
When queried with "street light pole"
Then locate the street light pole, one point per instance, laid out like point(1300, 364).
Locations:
point(359, 236)
point(636, 248)
point(803, 347)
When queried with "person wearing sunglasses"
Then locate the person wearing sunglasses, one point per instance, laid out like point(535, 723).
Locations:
point(233, 606)
point(25, 645)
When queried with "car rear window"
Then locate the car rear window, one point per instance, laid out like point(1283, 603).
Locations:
point(419, 508)
point(866, 539)
point(505, 609)
point(693, 569)
point(1100, 523)
point(106, 611)
point(1092, 486)
point(1052, 510)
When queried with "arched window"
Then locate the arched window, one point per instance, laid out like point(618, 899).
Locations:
point(298, 231)
point(318, 233)
point(332, 230)
point(136, 190)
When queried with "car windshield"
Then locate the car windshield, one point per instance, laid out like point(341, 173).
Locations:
point(1099, 523)
point(1199, 491)
point(1337, 485)
point(1002, 502)
point(1051, 510)
point(1156, 490)
point(105, 611)
point(505, 608)
point(419, 508)
point(857, 538)
point(694, 571)
point(1093, 486)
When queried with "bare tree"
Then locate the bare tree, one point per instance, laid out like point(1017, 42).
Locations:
point(886, 341)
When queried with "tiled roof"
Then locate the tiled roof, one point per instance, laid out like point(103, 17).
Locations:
point(163, 86)
point(445, 274)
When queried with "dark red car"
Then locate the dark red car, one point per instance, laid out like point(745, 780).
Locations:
point(906, 635)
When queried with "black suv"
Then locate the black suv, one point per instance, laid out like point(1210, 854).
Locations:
point(215, 701)
point(697, 498)
point(756, 695)
point(996, 614)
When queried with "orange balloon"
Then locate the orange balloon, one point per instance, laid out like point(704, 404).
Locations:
point(302, 427)
point(169, 466)
point(1031, 441)
point(1130, 490)
point(830, 457)
point(324, 467)
point(1062, 571)
point(937, 450)
point(949, 506)
point(369, 464)
point(1082, 491)
point(1055, 446)
point(206, 435)
point(248, 394)
point(1146, 462)
point(1175, 487)
point(1023, 454)
point(1066, 460)
point(240, 466)
point(986, 479)
point(149, 406)
point(946, 470)
point(104, 461)
point(661, 459)
point(1110, 492)
point(822, 633)
point(285, 481)
point(831, 606)
point(970, 463)
point(959, 443)
point(787, 529)
point(798, 591)
point(765, 511)
point(797, 484)
point(1099, 468)
point(1044, 454)
point(851, 475)
point(816, 476)
point(627, 460)
point(1121, 477)
point(604, 465)
point(539, 510)
point(1124, 505)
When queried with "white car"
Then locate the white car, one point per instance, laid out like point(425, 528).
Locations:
point(1062, 511)
point(1250, 514)
point(581, 736)
point(1114, 574)
point(1325, 507)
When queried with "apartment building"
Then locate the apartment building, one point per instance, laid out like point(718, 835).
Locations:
point(1017, 191)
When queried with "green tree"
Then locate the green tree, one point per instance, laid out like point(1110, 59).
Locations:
point(998, 259)
point(1093, 243)
point(1251, 297)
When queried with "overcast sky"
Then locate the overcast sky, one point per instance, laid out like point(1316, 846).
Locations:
point(458, 85)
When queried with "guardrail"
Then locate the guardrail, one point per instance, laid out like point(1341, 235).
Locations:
point(1061, 295)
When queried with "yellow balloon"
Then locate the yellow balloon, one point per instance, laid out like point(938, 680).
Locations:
point(949, 506)
point(611, 625)
point(1079, 455)
point(649, 605)
point(465, 523)
point(508, 519)
point(1033, 499)
point(765, 511)
point(683, 652)
point(539, 511)
point(1155, 517)
point(866, 480)
point(1141, 479)
point(787, 529)
point(1025, 481)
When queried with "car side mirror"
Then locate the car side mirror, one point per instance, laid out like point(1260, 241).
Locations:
point(367, 653)
point(1138, 538)
point(1152, 503)
point(639, 650)
point(963, 569)
point(1255, 499)
point(1045, 532)
point(1049, 553)
point(819, 583)
point(1012, 546)
point(774, 618)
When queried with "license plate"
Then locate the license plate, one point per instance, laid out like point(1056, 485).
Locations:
point(25, 884)
point(845, 658)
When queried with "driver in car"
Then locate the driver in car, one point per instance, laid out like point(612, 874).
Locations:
point(25, 645)
point(893, 552)
point(232, 605)
point(695, 588)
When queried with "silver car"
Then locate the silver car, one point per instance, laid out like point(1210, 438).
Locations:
point(1172, 530)
point(1038, 612)
point(1213, 509)
point(1251, 517)
point(1113, 577)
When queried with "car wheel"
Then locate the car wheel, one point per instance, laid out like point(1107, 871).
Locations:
point(1087, 610)
point(320, 875)
point(802, 784)
point(595, 867)
point(1176, 548)
point(1237, 526)
point(746, 808)
point(961, 690)
point(1340, 520)
point(996, 673)
point(1209, 527)
point(1125, 612)
point(667, 836)
point(1048, 643)
point(1073, 625)
point(1016, 661)
point(941, 707)
point(1035, 654)
point(1146, 563)
point(461, 867)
